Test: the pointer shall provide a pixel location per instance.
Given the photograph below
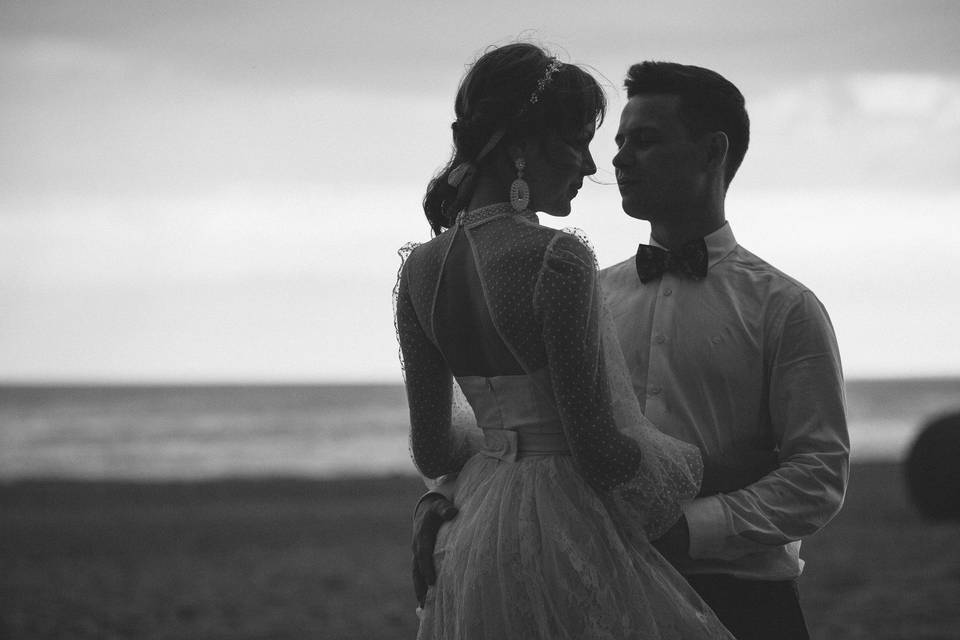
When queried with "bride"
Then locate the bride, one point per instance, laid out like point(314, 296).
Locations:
point(565, 481)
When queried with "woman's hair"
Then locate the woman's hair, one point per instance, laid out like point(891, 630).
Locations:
point(495, 96)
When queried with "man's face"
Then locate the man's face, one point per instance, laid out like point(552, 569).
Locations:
point(660, 169)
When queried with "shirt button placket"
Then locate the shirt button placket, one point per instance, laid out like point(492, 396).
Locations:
point(658, 355)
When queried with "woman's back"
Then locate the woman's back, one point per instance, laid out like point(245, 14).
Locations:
point(464, 327)
point(474, 287)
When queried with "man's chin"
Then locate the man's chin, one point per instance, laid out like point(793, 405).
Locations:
point(632, 208)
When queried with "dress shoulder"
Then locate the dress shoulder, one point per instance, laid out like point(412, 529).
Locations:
point(567, 251)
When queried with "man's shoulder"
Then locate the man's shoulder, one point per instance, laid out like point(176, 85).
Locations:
point(763, 275)
point(619, 271)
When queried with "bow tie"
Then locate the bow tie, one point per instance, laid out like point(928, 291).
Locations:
point(690, 259)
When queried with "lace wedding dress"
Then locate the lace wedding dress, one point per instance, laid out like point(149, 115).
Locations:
point(561, 480)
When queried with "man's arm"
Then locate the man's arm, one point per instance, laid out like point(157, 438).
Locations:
point(806, 404)
point(433, 509)
point(721, 474)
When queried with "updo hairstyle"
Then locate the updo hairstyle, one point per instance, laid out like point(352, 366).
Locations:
point(495, 95)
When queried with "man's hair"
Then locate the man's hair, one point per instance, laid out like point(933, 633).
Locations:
point(708, 102)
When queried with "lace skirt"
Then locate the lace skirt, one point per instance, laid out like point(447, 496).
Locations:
point(534, 553)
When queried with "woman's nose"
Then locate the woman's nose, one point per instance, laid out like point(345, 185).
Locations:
point(589, 166)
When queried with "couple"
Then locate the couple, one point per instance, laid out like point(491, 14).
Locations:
point(575, 516)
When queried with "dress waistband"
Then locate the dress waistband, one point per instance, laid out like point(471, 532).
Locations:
point(510, 445)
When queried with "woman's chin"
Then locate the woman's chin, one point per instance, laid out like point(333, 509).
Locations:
point(558, 210)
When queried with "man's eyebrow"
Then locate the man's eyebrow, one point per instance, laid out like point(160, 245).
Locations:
point(640, 128)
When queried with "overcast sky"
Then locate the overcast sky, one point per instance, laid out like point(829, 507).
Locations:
point(215, 191)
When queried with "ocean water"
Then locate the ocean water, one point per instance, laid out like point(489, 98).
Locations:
point(318, 431)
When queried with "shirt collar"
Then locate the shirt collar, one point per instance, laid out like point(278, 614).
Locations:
point(719, 244)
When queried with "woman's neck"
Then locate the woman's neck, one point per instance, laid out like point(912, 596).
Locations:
point(488, 190)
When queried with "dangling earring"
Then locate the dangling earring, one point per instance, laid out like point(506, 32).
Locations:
point(519, 190)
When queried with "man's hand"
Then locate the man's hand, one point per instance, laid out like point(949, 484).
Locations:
point(674, 545)
point(434, 509)
point(735, 470)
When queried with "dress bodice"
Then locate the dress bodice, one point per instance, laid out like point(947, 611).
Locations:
point(517, 415)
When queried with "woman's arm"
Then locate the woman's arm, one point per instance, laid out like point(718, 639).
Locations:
point(436, 448)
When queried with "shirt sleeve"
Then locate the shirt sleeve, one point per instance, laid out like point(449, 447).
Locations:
point(436, 446)
point(808, 418)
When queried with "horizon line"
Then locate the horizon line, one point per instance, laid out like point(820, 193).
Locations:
point(12, 383)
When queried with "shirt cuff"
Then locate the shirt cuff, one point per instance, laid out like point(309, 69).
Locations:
point(445, 486)
point(707, 522)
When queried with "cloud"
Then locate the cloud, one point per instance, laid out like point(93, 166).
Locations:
point(47, 56)
point(864, 129)
point(187, 185)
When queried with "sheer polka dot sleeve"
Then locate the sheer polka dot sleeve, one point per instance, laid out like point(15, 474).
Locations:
point(436, 447)
point(643, 474)
point(568, 303)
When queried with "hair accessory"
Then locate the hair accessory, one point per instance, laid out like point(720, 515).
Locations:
point(542, 83)
point(519, 189)
point(456, 176)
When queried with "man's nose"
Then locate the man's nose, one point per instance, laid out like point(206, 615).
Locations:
point(620, 159)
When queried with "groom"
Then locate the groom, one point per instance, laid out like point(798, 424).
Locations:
point(725, 352)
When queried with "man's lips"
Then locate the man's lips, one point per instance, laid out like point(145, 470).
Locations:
point(623, 180)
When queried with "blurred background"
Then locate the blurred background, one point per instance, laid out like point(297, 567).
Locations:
point(203, 430)
point(214, 193)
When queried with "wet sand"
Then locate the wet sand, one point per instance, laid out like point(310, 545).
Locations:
point(283, 558)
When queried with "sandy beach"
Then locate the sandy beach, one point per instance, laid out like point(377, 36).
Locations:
point(245, 559)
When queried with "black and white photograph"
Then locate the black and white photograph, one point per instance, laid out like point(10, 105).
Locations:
point(490, 321)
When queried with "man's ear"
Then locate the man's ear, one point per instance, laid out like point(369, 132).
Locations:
point(715, 148)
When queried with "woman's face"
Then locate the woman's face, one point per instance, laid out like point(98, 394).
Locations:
point(556, 166)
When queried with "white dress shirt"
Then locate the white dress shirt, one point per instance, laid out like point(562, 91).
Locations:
point(745, 358)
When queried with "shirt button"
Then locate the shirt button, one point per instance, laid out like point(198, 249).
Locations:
point(660, 339)
point(715, 339)
point(668, 291)
point(655, 391)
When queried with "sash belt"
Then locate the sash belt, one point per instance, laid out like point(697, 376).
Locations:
point(510, 445)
